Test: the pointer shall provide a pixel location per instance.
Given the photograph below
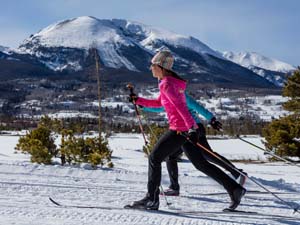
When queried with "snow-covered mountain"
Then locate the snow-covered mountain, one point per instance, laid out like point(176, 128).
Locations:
point(248, 59)
point(4, 49)
point(130, 45)
point(269, 68)
point(111, 37)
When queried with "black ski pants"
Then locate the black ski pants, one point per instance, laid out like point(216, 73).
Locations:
point(172, 164)
point(170, 143)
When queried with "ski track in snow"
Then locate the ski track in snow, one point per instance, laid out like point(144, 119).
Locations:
point(26, 187)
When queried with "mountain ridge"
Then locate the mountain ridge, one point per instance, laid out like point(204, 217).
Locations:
point(271, 69)
point(127, 45)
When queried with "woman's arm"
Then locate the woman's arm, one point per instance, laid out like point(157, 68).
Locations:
point(156, 110)
point(155, 103)
point(193, 104)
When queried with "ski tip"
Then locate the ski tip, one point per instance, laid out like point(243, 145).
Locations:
point(54, 202)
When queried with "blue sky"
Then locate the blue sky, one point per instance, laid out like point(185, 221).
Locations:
point(269, 27)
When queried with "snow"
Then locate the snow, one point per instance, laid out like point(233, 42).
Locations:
point(108, 36)
point(5, 50)
point(150, 34)
point(249, 59)
point(80, 32)
point(25, 188)
point(69, 114)
point(84, 32)
point(265, 107)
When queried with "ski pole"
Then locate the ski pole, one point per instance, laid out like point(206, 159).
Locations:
point(268, 152)
point(253, 180)
point(130, 87)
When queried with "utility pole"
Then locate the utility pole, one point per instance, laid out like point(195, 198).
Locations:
point(99, 90)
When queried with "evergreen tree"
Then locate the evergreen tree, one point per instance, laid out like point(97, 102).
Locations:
point(292, 90)
point(39, 143)
point(283, 134)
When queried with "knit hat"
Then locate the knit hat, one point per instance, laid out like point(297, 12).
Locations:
point(164, 59)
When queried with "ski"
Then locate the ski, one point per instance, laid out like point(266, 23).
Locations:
point(238, 211)
point(81, 206)
point(225, 193)
point(177, 212)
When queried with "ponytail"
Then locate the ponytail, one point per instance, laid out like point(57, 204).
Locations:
point(172, 74)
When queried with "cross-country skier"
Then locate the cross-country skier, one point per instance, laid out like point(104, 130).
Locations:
point(171, 161)
point(172, 98)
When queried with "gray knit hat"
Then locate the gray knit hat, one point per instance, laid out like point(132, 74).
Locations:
point(164, 59)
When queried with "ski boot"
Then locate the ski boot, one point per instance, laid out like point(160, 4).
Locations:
point(144, 204)
point(170, 192)
point(236, 197)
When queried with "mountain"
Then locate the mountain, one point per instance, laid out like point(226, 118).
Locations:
point(272, 69)
point(129, 46)
point(4, 52)
point(4, 49)
point(115, 40)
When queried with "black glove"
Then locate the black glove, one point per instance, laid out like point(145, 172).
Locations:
point(132, 98)
point(215, 124)
point(193, 135)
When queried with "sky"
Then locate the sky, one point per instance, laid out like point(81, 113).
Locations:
point(268, 27)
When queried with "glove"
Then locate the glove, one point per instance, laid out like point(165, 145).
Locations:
point(132, 97)
point(193, 135)
point(215, 124)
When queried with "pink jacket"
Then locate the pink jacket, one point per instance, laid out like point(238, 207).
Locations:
point(172, 98)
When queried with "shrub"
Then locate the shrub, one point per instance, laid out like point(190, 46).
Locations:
point(39, 144)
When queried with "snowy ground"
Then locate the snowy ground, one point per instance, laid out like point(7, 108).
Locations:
point(25, 188)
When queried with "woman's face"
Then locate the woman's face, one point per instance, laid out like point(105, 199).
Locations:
point(156, 71)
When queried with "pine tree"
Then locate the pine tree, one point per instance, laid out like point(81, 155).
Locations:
point(39, 143)
point(283, 134)
point(292, 90)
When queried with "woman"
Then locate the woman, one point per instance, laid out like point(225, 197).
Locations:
point(171, 161)
point(172, 98)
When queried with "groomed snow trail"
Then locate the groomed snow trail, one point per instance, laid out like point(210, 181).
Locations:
point(26, 187)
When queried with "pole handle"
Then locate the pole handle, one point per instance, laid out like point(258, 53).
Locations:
point(130, 87)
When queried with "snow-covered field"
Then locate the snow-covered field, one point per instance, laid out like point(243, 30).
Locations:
point(25, 188)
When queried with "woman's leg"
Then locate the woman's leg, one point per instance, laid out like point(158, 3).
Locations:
point(224, 163)
point(169, 143)
point(234, 190)
point(200, 162)
point(172, 167)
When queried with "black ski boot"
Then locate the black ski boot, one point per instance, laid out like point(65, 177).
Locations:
point(145, 203)
point(236, 197)
point(170, 192)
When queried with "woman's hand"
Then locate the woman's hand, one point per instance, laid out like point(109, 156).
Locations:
point(215, 124)
point(132, 97)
